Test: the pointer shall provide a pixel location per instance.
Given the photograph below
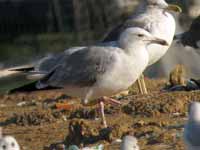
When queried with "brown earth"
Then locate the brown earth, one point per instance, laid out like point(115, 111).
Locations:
point(156, 119)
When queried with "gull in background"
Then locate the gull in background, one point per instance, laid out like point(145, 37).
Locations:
point(192, 36)
point(129, 143)
point(96, 72)
point(192, 127)
point(153, 16)
point(8, 142)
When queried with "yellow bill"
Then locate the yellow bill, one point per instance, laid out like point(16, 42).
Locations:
point(173, 7)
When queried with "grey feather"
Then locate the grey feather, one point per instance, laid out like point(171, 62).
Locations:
point(135, 21)
point(50, 62)
point(83, 68)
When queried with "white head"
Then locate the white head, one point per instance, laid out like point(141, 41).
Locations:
point(157, 3)
point(160, 4)
point(194, 112)
point(8, 143)
point(135, 36)
point(129, 143)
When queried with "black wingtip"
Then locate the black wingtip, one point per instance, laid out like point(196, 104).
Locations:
point(31, 87)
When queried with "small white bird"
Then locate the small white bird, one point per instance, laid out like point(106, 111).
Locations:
point(8, 142)
point(129, 143)
point(192, 127)
point(98, 71)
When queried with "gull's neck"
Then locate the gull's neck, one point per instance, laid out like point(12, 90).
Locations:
point(141, 7)
point(130, 44)
point(133, 47)
point(144, 7)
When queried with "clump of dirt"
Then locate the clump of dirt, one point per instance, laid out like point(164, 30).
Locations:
point(84, 113)
point(56, 146)
point(151, 106)
point(82, 133)
point(36, 117)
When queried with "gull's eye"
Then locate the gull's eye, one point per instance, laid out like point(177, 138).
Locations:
point(154, 4)
point(4, 147)
point(13, 144)
point(140, 35)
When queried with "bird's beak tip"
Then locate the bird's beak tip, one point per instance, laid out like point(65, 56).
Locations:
point(164, 43)
point(160, 41)
point(172, 7)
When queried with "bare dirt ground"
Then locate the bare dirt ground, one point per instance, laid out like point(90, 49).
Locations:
point(156, 119)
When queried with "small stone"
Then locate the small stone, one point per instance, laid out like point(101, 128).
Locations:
point(73, 147)
point(60, 147)
point(22, 104)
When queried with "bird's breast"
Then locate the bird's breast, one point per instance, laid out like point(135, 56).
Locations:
point(163, 29)
point(124, 73)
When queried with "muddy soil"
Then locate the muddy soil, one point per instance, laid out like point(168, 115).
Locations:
point(156, 119)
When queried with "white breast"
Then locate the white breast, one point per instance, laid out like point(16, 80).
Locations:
point(124, 73)
point(164, 28)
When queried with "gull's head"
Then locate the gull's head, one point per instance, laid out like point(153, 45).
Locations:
point(157, 3)
point(137, 36)
point(194, 112)
point(8, 143)
point(162, 4)
point(129, 143)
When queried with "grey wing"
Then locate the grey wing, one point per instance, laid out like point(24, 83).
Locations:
point(142, 21)
point(192, 134)
point(137, 21)
point(47, 63)
point(50, 62)
point(110, 44)
point(113, 35)
point(82, 68)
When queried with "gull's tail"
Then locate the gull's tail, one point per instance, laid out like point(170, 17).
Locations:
point(23, 79)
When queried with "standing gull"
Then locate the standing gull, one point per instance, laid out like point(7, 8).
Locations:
point(95, 72)
point(192, 127)
point(153, 16)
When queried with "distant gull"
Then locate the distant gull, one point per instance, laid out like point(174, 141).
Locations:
point(129, 143)
point(153, 16)
point(192, 36)
point(8, 142)
point(95, 72)
point(193, 8)
point(192, 127)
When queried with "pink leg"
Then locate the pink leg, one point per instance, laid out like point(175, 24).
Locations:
point(101, 104)
point(101, 107)
point(111, 100)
